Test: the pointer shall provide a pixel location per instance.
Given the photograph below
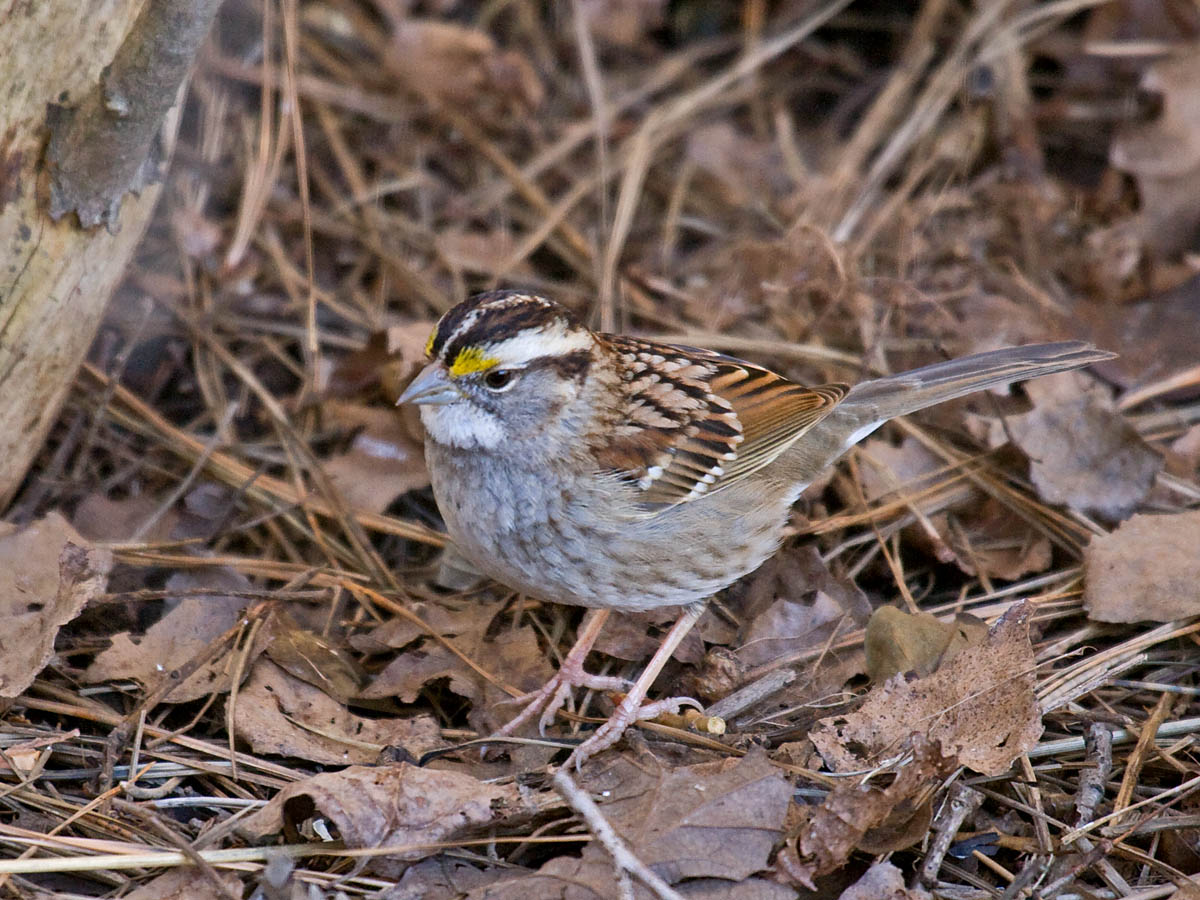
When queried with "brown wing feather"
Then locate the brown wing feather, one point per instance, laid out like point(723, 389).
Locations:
point(697, 421)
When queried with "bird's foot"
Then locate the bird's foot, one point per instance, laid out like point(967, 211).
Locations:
point(630, 710)
point(553, 696)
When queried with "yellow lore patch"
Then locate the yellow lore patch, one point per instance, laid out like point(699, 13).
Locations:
point(429, 343)
point(471, 360)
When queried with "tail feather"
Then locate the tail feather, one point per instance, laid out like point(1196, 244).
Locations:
point(899, 395)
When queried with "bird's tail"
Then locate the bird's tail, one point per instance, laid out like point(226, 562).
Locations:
point(899, 395)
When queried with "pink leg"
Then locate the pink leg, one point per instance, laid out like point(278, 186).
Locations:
point(551, 697)
point(631, 709)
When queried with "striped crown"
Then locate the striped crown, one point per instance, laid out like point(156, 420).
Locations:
point(505, 328)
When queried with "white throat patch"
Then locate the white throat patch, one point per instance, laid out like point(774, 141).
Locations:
point(463, 425)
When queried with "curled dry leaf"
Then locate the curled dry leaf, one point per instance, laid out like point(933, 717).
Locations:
point(280, 714)
point(192, 621)
point(1146, 570)
point(398, 806)
point(1155, 334)
point(899, 641)
point(750, 171)
point(826, 835)
point(48, 573)
point(980, 707)
point(1082, 453)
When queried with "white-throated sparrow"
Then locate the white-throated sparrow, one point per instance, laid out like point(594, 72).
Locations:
point(616, 473)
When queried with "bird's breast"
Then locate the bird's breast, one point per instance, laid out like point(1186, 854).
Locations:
point(582, 541)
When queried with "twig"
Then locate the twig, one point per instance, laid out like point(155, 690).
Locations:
point(962, 802)
point(604, 833)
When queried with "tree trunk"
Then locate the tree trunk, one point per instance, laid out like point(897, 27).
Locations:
point(57, 276)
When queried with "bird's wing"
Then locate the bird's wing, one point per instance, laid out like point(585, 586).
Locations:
point(697, 421)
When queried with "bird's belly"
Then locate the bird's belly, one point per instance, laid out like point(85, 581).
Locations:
point(565, 542)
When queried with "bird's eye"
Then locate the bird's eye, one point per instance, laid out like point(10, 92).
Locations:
point(498, 379)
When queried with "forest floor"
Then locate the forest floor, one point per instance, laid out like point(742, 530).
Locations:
point(971, 672)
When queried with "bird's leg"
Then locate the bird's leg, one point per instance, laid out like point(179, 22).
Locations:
point(631, 708)
point(551, 697)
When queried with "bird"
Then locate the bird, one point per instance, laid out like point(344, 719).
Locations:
point(617, 473)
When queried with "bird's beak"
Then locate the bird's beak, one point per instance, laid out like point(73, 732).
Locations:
point(432, 387)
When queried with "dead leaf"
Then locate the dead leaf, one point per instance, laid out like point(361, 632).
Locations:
point(961, 524)
point(826, 835)
point(480, 252)
point(1155, 335)
point(310, 657)
point(1148, 570)
point(394, 354)
point(186, 883)
point(458, 65)
point(100, 518)
point(623, 22)
point(716, 820)
point(192, 621)
point(1082, 453)
point(383, 460)
point(394, 806)
point(443, 878)
point(795, 603)
point(1163, 154)
point(899, 641)
point(980, 707)
point(48, 573)
point(277, 713)
point(883, 881)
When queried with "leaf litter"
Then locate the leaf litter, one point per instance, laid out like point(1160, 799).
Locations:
point(262, 639)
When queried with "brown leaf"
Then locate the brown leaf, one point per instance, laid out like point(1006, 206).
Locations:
point(980, 706)
point(310, 657)
point(826, 835)
point(100, 518)
point(186, 884)
point(458, 65)
point(399, 349)
point(1155, 335)
point(394, 806)
point(1163, 153)
point(190, 624)
point(482, 252)
point(795, 603)
point(748, 170)
point(717, 820)
point(277, 713)
point(1146, 570)
point(883, 881)
point(443, 879)
point(962, 525)
point(1081, 452)
point(899, 641)
point(383, 461)
point(48, 573)
point(623, 22)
